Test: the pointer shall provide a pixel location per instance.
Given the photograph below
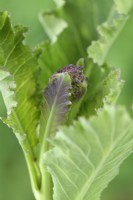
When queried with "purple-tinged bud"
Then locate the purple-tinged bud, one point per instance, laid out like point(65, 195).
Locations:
point(78, 80)
point(67, 86)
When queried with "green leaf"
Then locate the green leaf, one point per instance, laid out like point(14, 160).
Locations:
point(87, 155)
point(53, 25)
point(109, 31)
point(19, 65)
point(59, 3)
point(21, 62)
point(124, 6)
point(104, 86)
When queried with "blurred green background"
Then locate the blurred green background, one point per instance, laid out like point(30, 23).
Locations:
point(14, 178)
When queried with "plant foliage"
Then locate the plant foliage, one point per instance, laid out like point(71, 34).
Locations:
point(74, 162)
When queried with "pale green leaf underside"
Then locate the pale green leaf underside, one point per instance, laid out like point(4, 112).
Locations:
point(52, 25)
point(109, 31)
point(59, 3)
point(7, 86)
point(124, 6)
point(87, 155)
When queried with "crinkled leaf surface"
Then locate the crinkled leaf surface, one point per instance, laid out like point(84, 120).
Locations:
point(110, 30)
point(87, 155)
point(21, 62)
point(104, 86)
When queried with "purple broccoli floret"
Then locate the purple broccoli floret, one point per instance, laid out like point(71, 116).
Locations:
point(78, 80)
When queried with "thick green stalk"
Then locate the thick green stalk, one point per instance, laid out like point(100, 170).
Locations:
point(34, 174)
point(46, 184)
point(46, 191)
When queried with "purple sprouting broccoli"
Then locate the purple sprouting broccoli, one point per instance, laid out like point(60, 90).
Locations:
point(78, 80)
point(64, 93)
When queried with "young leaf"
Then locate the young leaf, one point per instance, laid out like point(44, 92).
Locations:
point(66, 84)
point(109, 31)
point(87, 155)
point(56, 106)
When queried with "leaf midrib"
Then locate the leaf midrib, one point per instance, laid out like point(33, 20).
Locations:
point(19, 124)
point(30, 156)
